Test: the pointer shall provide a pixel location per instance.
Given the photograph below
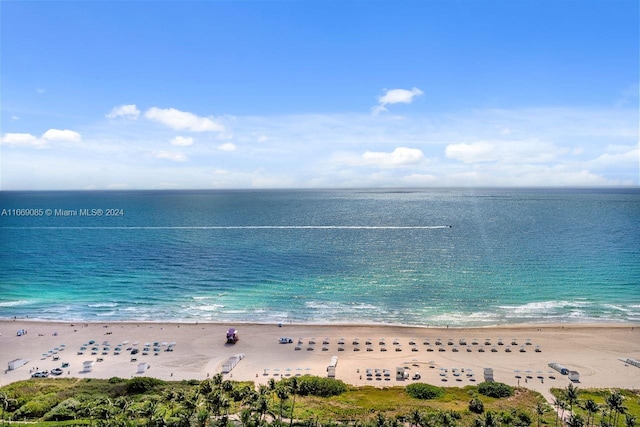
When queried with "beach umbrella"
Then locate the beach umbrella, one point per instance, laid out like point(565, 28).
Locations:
point(307, 369)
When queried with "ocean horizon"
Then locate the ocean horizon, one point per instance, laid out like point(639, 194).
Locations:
point(428, 257)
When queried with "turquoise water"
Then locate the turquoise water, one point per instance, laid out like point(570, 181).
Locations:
point(459, 257)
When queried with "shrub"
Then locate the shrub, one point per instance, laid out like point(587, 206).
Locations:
point(424, 391)
point(65, 410)
point(320, 387)
point(36, 408)
point(476, 406)
point(495, 389)
point(142, 384)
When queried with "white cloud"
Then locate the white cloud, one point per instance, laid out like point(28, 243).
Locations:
point(15, 118)
point(547, 147)
point(61, 135)
point(175, 156)
point(182, 120)
point(471, 153)
point(617, 157)
point(227, 147)
point(29, 140)
point(509, 151)
point(40, 90)
point(22, 140)
point(396, 96)
point(401, 156)
point(182, 141)
point(129, 111)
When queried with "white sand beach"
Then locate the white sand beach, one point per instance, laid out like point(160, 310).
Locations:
point(199, 350)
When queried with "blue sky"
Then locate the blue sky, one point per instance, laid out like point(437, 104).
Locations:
point(316, 94)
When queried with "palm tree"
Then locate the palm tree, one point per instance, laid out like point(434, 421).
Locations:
point(150, 410)
point(540, 410)
point(629, 420)
point(614, 403)
point(563, 408)
point(169, 396)
point(213, 401)
point(283, 394)
point(591, 407)
point(575, 420)
point(217, 379)
point(294, 388)
point(415, 418)
point(571, 394)
point(557, 402)
point(203, 418)
point(189, 402)
point(261, 404)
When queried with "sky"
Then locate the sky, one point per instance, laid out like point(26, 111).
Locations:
point(318, 94)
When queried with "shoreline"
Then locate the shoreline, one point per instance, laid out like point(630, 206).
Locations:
point(522, 325)
point(198, 351)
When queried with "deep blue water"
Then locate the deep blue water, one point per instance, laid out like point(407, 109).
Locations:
point(366, 256)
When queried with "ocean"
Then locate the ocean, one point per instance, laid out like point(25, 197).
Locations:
point(435, 257)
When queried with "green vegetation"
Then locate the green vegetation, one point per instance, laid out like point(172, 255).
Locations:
point(495, 389)
point(604, 408)
point(302, 401)
point(317, 386)
point(424, 391)
point(476, 406)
